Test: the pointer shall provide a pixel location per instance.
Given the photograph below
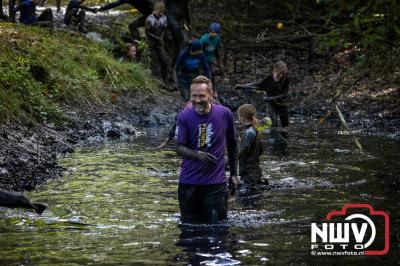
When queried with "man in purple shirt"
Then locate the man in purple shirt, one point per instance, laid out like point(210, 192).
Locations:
point(203, 133)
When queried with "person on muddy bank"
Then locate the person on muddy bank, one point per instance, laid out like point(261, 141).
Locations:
point(203, 133)
point(75, 14)
point(27, 16)
point(211, 42)
point(11, 200)
point(155, 27)
point(191, 63)
point(250, 147)
point(276, 86)
point(130, 53)
point(145, 7)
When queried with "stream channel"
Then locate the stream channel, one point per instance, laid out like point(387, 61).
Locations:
point(117, 205)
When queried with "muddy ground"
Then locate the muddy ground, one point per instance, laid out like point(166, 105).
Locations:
point(29, 154)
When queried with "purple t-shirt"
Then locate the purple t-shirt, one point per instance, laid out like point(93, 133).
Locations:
point(208, 133)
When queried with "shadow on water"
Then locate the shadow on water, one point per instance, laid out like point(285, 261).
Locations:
point(117, 205)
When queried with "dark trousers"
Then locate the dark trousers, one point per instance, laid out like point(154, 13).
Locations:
point(158, 51)
point(179, 38)
point(281, 111)
point(11, 5)
point(75, 18)
point(46, 18)
point(203, 203)
point(139, 22)
point(184, 86)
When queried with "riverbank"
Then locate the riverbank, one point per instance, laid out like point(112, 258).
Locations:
point(71, 106)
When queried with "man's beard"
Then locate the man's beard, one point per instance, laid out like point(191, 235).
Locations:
point(200, 107)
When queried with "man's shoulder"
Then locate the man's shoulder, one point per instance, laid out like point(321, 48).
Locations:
point(222, 109)
point(185, 113)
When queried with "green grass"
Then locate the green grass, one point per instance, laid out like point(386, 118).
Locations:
point(40, 69)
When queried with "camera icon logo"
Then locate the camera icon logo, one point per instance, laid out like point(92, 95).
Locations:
point(356, 229)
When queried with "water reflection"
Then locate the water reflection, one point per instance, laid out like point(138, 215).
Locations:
point(118, 205)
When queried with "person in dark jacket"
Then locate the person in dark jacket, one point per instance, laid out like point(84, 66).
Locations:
point(155, 27)
point(191, 63)
point(75, 14)
point(178, 16)
point(277, 86)
point(27, 10)
point(250, 147)
point(145, 7)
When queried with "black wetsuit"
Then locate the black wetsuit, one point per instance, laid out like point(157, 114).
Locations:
point(155, 29)
point(278, 90)
point(177, 14)
point(249, 157)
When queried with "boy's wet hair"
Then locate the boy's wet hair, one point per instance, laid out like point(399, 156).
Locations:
point(203, 80)
point(281, 66)
point(249, 112)
point(160, 6)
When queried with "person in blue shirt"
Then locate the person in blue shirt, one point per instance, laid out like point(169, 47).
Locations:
point(145, 7)
point(75, 14)
point(211, 42)
point(27, 10)
point(190, 63)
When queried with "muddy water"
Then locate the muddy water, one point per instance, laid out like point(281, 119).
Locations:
point(117, 205)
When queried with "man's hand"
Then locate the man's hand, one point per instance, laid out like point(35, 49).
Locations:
point(233, 184)
point(206, 157)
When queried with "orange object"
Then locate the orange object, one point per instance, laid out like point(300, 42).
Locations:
point(279, 26)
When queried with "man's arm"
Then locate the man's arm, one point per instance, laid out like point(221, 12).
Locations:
point(232, 154)
point(187, 153)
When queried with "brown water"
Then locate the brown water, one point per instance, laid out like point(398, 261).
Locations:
point(117, 205)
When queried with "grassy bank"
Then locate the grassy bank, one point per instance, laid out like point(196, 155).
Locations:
point(41, 70)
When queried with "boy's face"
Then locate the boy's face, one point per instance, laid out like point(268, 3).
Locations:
point(132, 52)
point(213, 34)
point(159, 12)
point(277, 74)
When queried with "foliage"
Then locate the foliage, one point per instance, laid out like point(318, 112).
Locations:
point(40, 69)
point(367, 24)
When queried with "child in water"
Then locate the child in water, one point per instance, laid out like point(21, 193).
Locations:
point(250, 147)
